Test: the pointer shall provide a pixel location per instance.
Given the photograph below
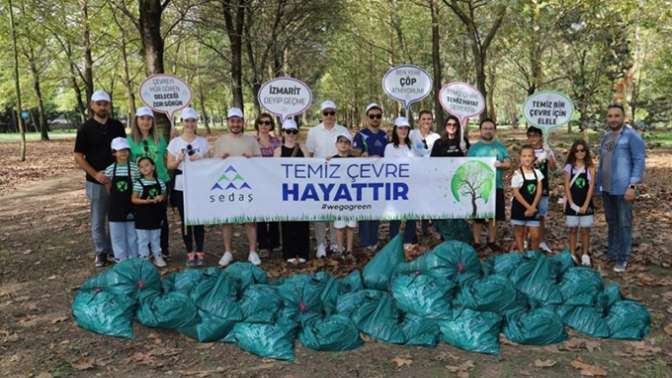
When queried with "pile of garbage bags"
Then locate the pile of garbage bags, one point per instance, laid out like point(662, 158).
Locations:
point(446, 295)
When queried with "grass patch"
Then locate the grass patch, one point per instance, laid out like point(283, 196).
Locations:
point(34, 136)
point(664, 138)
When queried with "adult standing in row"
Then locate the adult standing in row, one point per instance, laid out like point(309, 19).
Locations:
point(488, 146)
point(320, 144)
point(233, 144)
point(93, 154)
point(146, 141)
point(370, 142)
point(193, 147)
point(268, 233)
point(423, 139)
point(622, 162)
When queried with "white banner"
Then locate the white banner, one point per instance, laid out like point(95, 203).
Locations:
point(241, 190)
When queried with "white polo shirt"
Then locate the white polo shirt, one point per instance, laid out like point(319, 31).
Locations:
point(322, 142)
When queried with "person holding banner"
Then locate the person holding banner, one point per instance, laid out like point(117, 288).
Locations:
point(268, 233)
point(423, 138)
point(449, 144)
point(146, 140)
point(488, 146)
point(370, 142)
point(401, 147)
point(93, 154)
point(233, 144)
point(320, 143)
point(295, 235)
point(193, 147)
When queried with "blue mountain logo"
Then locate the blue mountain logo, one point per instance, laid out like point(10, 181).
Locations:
point(230, 180)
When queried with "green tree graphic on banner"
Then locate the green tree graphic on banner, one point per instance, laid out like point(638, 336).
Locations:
point(473, 179)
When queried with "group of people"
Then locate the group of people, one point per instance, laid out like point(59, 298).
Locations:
point(128, 182)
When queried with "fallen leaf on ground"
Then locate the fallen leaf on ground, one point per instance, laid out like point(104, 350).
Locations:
point(668, 329)
point(587, 369)
point(83, 364)
point(462, 370)
point(402, 361)
point(544, 363)
point(59, 319)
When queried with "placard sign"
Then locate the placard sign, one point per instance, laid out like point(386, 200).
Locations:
point(463, 101)
point(165, 94)
point(285, 97)
point(407, 84)
point(547, 110)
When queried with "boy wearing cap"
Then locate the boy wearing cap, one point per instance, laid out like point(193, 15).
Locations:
point(121, 174)
point(345, 230)
point(233, 144)
point(371, 142)
point(545, 160)
point(320, 143)
point(93, 154)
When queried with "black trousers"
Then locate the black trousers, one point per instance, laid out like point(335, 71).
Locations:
point(295, 239)
point(268, 235)
point(189, 233)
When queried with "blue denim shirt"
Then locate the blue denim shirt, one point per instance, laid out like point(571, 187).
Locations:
point(628, 161)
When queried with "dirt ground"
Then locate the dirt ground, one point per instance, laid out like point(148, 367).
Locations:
point(45, 255)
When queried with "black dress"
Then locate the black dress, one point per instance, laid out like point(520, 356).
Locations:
point(295, 235)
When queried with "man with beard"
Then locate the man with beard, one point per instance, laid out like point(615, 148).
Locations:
point(93, 154)
point(489, 147)
point(622, 161)
point(235, 143)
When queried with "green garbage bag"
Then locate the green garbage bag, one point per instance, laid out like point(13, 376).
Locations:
point(581, 286)
point(537, 327)
point(185, 280)
point(378, 272)
point(337, 287)
point(473, 331)
point(518, 306)
point(450, 263)
point(266, 340)
point(560, 263)
point(358, 304)
point(493, 293)
point(589, 320)
point(504, 264)
point(454, 229)
point(420, 331)
point(129, 277)
point(218, 310)
point(333, 333)
point(301, 295)
point(261, 304)
point(610, 295)
point(245, 274)
point(523, 267)
point(539, 284)
point(421, 295)
point(384, 322)
point(628, 320)
point(103, 312)
point(170, 310)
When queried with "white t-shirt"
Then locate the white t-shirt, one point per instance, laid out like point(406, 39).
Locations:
point(177, 145)
point(402, 151)
point(419, 146)
point(541, 154)
point(322, 142)
point(517, 179)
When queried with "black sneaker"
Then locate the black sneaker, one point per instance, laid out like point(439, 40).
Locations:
point(101, 260)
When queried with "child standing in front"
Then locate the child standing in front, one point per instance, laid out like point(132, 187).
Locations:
point(526, 183)
point(148, 194)
point(579, 185)
point(345, 230)
point(122, 173)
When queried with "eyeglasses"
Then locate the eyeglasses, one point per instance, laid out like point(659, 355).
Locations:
point(375, 116)
point(292, 131)
point(451, 124)
point(331, 113)
point(265, 123)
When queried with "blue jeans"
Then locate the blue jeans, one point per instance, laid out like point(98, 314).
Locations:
point(124, 240)
point(368, 233)
point(618, 213)
point(98, 205)
point(409, 230)
point(149, 238)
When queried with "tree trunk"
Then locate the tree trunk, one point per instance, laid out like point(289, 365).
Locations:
point(436, 63)
point(17, 85)
point(234, 29)
point(88, 55)
point(41, 117)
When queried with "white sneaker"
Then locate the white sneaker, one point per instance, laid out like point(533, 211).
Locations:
point(620, 267)
point(160, 262)
point(292, 261)
point(544, 247)
point(333, 248)
point(321, 251)
point(226, 259)
point(253, 258)
point(585, 260)
point(302, 260)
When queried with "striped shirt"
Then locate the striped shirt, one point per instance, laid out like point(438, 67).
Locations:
point(137, 188)
point(122, 171)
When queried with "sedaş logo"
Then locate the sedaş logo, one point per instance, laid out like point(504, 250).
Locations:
point(232, 186)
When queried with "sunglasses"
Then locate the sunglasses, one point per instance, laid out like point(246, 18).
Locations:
point(291, 131)
point(451, 124)
point(265, 123)
point(329, 113)
point(580, 150)
point(375, 116)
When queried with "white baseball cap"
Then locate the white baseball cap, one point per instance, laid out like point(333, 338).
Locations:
point(100, 95)
point(120, 143)
point(144, 112)
point(401, 122)
point(373, 105)
point(328, 104)
point(344, 135)
point(289, 124)
point(234, 112)
point(189, 113)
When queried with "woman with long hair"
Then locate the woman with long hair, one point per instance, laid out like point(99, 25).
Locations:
point(268, 233)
